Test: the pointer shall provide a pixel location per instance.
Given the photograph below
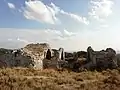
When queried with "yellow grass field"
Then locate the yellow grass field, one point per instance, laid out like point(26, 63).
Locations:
point(49, 79)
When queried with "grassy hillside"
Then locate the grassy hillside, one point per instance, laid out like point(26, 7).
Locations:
point(31, 79)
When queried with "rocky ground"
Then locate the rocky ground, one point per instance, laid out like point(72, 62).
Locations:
point(33, 79)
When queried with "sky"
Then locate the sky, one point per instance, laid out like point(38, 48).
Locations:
point(71, 24)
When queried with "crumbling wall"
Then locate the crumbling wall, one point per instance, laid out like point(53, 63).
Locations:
point(56, 60)
point(31, 55)
point(42, 56)
point(11, 59)
point(101, 59)
point(38, 53)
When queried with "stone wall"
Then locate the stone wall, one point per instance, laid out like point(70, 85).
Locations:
point(42, 56)
point(31, 55)
point(101, 59)
point(9, 59)
point(37, 52)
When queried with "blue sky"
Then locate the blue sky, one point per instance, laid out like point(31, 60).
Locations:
point(72, 24)
point(13, 15)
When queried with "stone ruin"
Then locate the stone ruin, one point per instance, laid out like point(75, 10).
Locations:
point(100, 59)
point(41, 56)
point(33, 56)
point(13, 58)
point(93, 59)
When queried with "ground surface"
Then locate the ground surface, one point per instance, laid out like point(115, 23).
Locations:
point(33, 79)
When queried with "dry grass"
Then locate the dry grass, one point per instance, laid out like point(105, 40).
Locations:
point(33, 79)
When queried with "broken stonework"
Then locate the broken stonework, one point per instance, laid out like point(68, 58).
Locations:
point(31, 55)
point(57, 60)
point(45, 57)
point(101, 59)
point(76, 59)
point(37, 52)
point(42, 56)
point(9, 58)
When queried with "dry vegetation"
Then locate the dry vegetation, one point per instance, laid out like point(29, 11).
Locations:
point(32, 79)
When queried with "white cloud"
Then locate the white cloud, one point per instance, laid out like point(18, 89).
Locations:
point(55, 8)
point(9, 39)
point(80, 41)
point(64, 34)
point(56, 32)
point(36, 10)
point(11, 5)
point(68, 34)
point(23, 40)
point(104, 26)
point(76, 17)
point(73, 16)
point(101, 9)
point(14, 42)
point(20, 37)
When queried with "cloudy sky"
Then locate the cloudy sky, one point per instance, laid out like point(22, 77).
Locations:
point(71, 24)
